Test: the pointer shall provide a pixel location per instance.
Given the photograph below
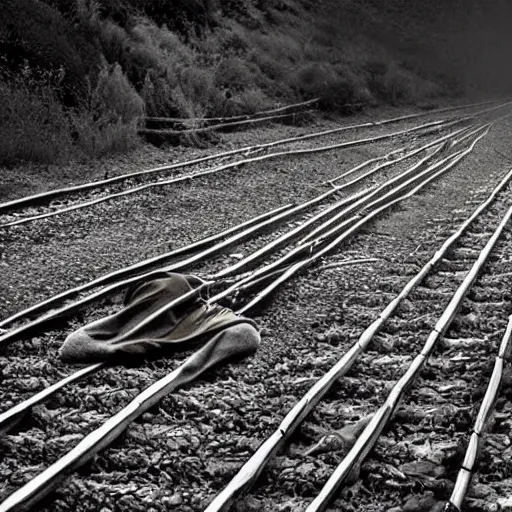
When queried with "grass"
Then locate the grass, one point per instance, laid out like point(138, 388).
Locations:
point(36, 126)
point(122, 60)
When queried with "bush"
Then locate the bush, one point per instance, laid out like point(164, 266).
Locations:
point(397, 85)
point(94, 140)
point(33, 123)
point(254, 100)
point(200, 97)
point(109, 118)
point(114, 99)
point(113, 41)
point(36, 126)
point(234, 74)
point(34, 32)
point(323, 81)
point(159, 96)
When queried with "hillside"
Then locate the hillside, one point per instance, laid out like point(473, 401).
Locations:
point(77, 76)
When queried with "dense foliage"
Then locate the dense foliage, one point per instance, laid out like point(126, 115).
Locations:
point(78, 75)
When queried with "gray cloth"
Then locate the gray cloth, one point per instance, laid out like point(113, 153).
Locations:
point(146, 324)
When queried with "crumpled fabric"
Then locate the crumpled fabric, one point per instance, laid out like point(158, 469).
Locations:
point(131, 330)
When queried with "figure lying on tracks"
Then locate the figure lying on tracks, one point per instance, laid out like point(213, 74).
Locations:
point(146, 324)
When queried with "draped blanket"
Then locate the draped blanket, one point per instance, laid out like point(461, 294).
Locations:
point(164, 313)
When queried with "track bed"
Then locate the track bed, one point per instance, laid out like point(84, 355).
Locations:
point(183, 452)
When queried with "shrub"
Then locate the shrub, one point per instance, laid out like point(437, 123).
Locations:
point(200, 96)
point(233, 40)
point(36, 126)
point(33, 123)
point(159, 96)
point(233, 74)
point(254, 100)
point(94, 140)
point(114, 98)
point(34, 32)
point(113, 40)
point(322, 80)
point(109, 118)
point(283, 48)
point(269, 66)
point(153, 58)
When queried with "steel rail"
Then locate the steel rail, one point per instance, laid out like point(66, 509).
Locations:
point(309, 246)
point(126, 271)
point(10, 418)
point(37, 198)
point(220, 126)
point(354, 221)
point(390, 155)
point(306, 251)
point(398, 178)
point(376, 193)
point(233, 118)
point(46, 481)
point(37, 488)
point(484, 413)
point(355, 201)
point(346, 228)
point(389, 159)
point(251, 470)
point(452, 161)
point(112, 288)
point(233, 165)
point(243, 284)
point(246, 262)
point(108, 278)
point(370, 434)
point(276, 216)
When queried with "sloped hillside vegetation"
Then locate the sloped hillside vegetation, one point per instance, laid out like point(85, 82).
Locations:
point(77, 76)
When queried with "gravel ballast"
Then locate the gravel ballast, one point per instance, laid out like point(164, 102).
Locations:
point(180, 455)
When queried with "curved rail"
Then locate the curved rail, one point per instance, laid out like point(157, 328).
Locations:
point(220, 126)
point(246, 262)
point(249, 473)
point(108, 290)
point(370, 434)
point(33, 490)
point(50, 194)
point(449, 161)
point(346, 228)
point(142, 265)
point(202, 243)
point(232, 165)
point(484, 413)
point(233, 118)
point(270, 218)
point(276, 269)
point(45, 482)
point(31, 493)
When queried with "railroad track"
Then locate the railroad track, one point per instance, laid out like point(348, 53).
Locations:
point(315, 243)
point(254, 227)
point(51, 233)
point(71, 199)
point(446, 317)
point(231, 121)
